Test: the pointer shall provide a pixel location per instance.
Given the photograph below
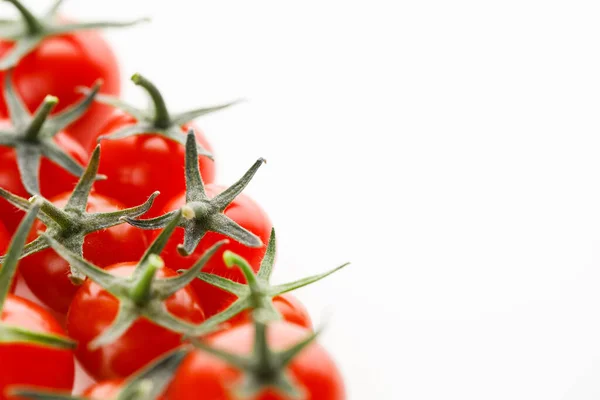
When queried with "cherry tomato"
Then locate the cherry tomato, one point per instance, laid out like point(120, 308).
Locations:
point(138, 165)
point(30, 364)
point(203, 376)
point(93, 310)
point(247, 214)
point(289, 307)
point(292, 310)
point(4, 238)
point(58, 66)
point(54, 179)
point(106, 390)
point(46, 273)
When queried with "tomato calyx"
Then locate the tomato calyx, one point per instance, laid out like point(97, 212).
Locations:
point(263, 368)
point(257, 293)
point(158, 120)
point(147, 384)
point(141, 295)
point(72, 224)
point(30, 31)
point(32, 135)
point(200, 214)
point(152, 381)
point(15, 334)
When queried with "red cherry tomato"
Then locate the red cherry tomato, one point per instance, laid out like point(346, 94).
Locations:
point(54, 180)
point(106, 390)
point(138, 165)
point(4, 238)
point(293, 311)
point(289, 307)
point(46, 273)
point(58, 66)
point(93, 310)
point(203, 376)
point(29, 364)
point(247, 214)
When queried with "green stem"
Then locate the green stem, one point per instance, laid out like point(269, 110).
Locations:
point(140, 292)
point(262, 351)
point(162, 119)
point(258, 295)
point(199, 210)
point(34, 26)
point(57, 215)
point(233, 260)
point(188, 212)
point(41, 114)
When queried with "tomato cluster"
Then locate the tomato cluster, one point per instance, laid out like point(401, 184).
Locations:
point(147, 273)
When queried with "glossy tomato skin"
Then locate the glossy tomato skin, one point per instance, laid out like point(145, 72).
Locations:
point(92, 311)
point(28, 364)
point(46, 273)
point(5, 238)
point(247, 214)
point(58, 66)
point(53, 179)
point(290, 308)
point(202, 376)
point(106, 390)
point(136, 166)
point(293, 311)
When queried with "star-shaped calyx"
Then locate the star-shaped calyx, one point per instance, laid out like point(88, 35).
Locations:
point(141, 295)
point(257, 293)
point(264, 368)
point(16, 334)
point(71, 224)
point(32, 135)
point(200, 214)
point(28, 32)
point(156, 119)
point(147, 384)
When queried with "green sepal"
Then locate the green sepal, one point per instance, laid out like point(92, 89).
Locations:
point(72, 224)
point(257, 293)
point(16, 334)
point(10, 263)
point(28, 32)
point(38, 394)
point(159, 374)
point(201, 214)
point(147, 384)
point(141, 295)
point(157, 119)
point(32, 136)
point(264, 368)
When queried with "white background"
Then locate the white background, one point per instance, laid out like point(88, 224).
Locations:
point(449, 149)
